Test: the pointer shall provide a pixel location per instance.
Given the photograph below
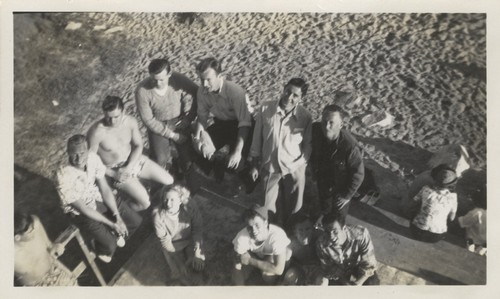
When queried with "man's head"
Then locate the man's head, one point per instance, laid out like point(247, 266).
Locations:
point(331, 121)
point(159, 70)
point(23, 226)
point(257, 223)
point(302, 228)
point(209, 70)
point(77, 151)
point(113, 111)
point(444, 177)
point(334, 226)
point(293, 93)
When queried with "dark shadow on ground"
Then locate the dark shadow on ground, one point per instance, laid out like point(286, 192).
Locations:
point(410, 158)
point(438, 278)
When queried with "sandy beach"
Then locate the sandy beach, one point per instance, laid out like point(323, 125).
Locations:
point(424, 73)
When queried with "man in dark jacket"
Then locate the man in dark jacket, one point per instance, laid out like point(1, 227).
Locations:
point(336, 161)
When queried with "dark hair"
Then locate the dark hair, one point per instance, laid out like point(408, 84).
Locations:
point(22, 221)
point(300, 83)
point(76, 139)
point(207, 63)
point(256, 210)
point(156, 66)
point(110, 103)
point(332, 108)
point(332, 217)
point(436, 174)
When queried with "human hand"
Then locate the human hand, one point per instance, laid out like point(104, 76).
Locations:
point(198, 261)
point(245, 258)
point(234, 159)
point(340, 202)
point(120, 227)
point(183, 123)
point(123, 174)
point(57, 249)
point(254, 173)
point(179, 138)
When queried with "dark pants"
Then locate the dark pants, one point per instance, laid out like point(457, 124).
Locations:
point(425, 236)
point(224, 132)
point(169, 154)
point(328, 206)
point(105, 239)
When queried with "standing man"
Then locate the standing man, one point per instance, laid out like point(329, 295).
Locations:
point(117, 140)
point(260, 246)
point(346, 253)
point(281, 147)
point(232, 122)
point(336, 161)
point(166, 102)
point(87, 197)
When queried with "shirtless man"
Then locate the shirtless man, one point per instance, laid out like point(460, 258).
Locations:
point(35, 256)
point(117, 140)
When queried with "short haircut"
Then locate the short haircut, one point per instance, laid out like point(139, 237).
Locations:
point(22, 221)
point(332, 108)
point(156, 66)
point(76, 139)
point(256, 210)
point(332, 217)
point(300, 83)
point(207, 63)
point(110, 103)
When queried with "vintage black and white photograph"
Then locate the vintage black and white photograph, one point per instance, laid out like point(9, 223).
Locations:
point(186, 149)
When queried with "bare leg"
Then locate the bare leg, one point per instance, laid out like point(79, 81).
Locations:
point(137, 191)
point(154, 172)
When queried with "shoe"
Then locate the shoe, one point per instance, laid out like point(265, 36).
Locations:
point(105, 258)
point(120, 242)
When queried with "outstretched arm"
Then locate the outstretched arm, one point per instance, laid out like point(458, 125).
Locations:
point(276, 267)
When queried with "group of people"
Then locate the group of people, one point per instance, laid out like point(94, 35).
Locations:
point(209, 128)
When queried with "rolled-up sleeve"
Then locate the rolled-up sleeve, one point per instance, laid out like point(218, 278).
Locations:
point(240, 107)
point(368, 262)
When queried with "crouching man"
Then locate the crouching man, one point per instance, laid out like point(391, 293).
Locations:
point(260, 246)
point(346, 253)
point(89, 200)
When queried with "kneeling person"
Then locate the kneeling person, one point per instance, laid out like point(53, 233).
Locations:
point(87, 197)
point(261, 246)
point(346, 253)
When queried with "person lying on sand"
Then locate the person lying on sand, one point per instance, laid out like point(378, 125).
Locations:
point(179, 227)
point(89, 200)
point(232, 122)
point(281, 147)
point(35, 256)
point(336, 162)
point(117, 140)
point(166, 102)
point(260, 246)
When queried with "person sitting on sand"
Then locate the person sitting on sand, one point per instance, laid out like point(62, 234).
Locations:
point(35, 256)
point(166, 102)
point(336, 162)
point(346, 253)
point(474, 223)
point(304, 263)
point(260, 246)
point(89, 200)
point(179, 227)
point(117, 140)
point(281, 147)
point(232, 122)
point(436, 205)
